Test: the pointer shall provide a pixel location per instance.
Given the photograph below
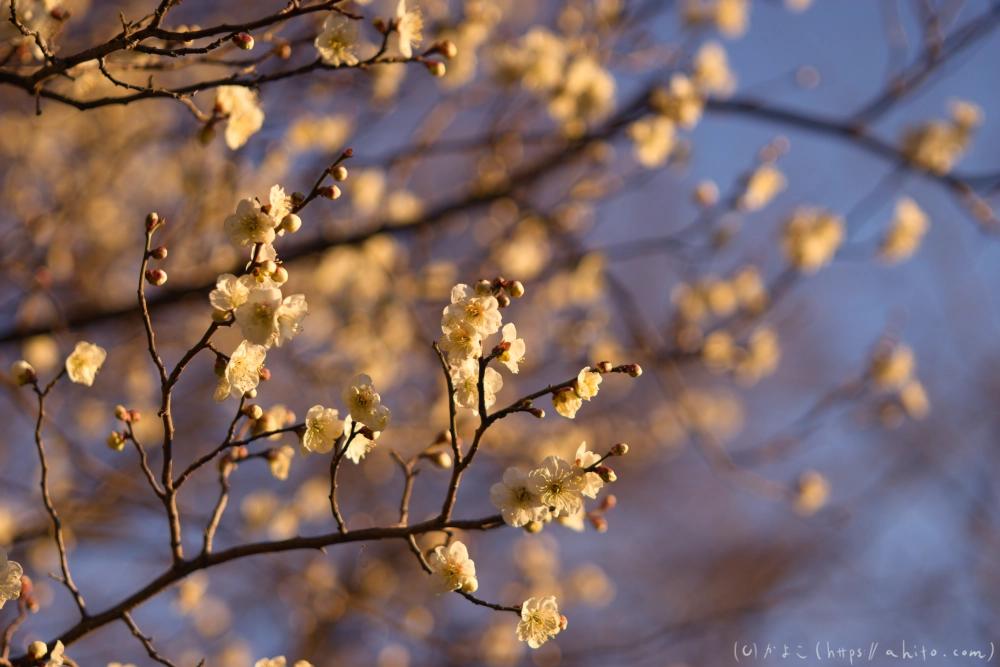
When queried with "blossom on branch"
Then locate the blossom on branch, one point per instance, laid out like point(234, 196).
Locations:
point(540, 621)
point(364, 403)
point(84, 362)
point(322, 430)
point(10, 579)
point(453, 569)
point(336, 43)
point(250, 225)
point(517, 499)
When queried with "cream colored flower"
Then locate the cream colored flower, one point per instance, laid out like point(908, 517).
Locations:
point(245, 117)
point(409, 25)
point(732, 17)
point(681, 103)
point(230, 292)
point(359, 445)
point(653, 140)
point(517, 499)
point(57, 657)
point(592, 482)
point(576, 521)
point(465, 377)
point(222, 390)
point(462, 341)
point(281, 461)
point(250, 225)
point(84, 362)
point(540, 621)
point(323, 428)
point(281, 205)
point(813, 493)
point(914, 400)
point(22, 372)
point(558, 486)
point(566, 402)
point(292, 311)
point(812, 238)
point(587, 95)
point(453, 569)
point(243, 369)
point(271, 662)
point(364, 404)
point(906, 231)
point(482, 312)
point(763, 186)
point(513, 356)
point(711, 70)
point(336, 43)
point(893, 367)
point(10, 579)
point(258, 316)
point(587, 383)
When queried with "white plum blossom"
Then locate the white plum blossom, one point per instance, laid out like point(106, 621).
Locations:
point(592, 482)
point(482, 312)
point(517, 499)
point(364, 403)
point(258, 316)
point(281, 461)
point(359, 445)
point(230, 292)
point(558, 486)
point(587, 383)
point(540, 621)
point(336, 43)
point(10, 579)
point(513, 356)
point(250, 225)
point(323, 427)
point(243, 369)
point(281, 205)
point(84, 362)
point(57, 657)
point(292, 311)
point(409, 25)
point(465, 377)
point(462, 341)
point(245, 117)
point(575, 521)
point(566, 402)
point(453, 569)
point(271, 662)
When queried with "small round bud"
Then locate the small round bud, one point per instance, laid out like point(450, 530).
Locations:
point(38, 649)
point(59, 14)
point(604, 367)
point(484, 287)
point(268, 267)
point(443, 438)
point(26, 585)
point(447, 49)
point(253, 411)
point(220, 316)
point(291, 223)
point(435, 67)
point(563, 622)
point(251, 394)
point(156, 277)
point(265, 424)
point(205, 134)
point(339, 173)
point(515, 289)
point(265, 374)
point(537, 412)
point(134, 416)
point(599, 522)
point(533, 527)
point(498, 284)
point(121, 413)
point(348, 152)
point(115, 441)
point(609, 502)
point(280, 275)
point(606, 473)
point(471, 585)
point(243, 40)
point(298, 198)
point(330, 192)
point(283, 51)
point(23, 373)
point(503, 301)
point(220, 366)
point(621, 449)
point(633, 370)
point(440, 459)
point(152, 221)
point(379, 24)
point(158, 253)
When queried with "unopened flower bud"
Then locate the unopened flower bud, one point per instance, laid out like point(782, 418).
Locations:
point(330, 192)
point(23, 373)
point(446, 49)
point(38, 649)
point(26, 585)
point(497, 284)
point(606, 473)
point(134, 416)
point(253, 411)
point(220, 365)
point(471, 585)
point(633, 370)
point(484, 287)
point(220, 316)
point(156, 277)
point(265, 374)
point(609, 502)
point(501, 347)
point(503, 301)
point(268, 267)
point(533, 527)
point(205, 134)
point(348, 152)
point(379, 24)
point(121, 413)
point(339, 173)
point(158, 253)
point(621, 449)
point(440, 459)
point(537, 412)
point(443, 438)
point(283, 51)
point(152, 221)
point(298, 198)
point(435, 67)
point(563, 622)
point(515, 289)
point(115, 441)
point(251, 394)
point(599, 522)
point(366, 432)
point(59, 14)
point(603, 367)
point(291, 223)
point(243, 40)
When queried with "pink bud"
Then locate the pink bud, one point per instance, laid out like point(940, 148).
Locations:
point(621, 449)
point(604, 367)
point(156, 277)
point(158, 253)
point(243, 40)
point(606, 473)
point(330, 192)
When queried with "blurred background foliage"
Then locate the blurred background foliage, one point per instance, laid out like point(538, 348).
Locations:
point(803, 268)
